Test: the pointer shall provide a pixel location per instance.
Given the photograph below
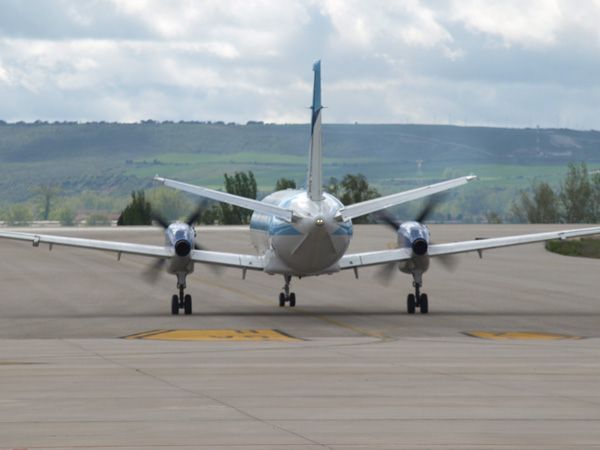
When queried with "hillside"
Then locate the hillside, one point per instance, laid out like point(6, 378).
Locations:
point(113, 158)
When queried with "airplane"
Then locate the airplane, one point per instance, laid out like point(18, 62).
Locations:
point(303, 232)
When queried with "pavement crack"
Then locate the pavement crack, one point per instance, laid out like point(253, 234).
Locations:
point(196, 393)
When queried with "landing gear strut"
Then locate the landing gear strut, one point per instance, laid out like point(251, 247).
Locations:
point(286, 296)
point(417, 300)
point(181, 301)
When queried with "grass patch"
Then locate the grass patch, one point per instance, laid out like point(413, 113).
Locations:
point(586, 247)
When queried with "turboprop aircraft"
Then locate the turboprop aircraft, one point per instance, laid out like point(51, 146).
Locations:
point(303, 232)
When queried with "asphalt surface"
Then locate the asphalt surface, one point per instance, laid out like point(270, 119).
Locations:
point(361, 374)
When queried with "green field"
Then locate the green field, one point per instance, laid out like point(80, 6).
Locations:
point(110, 160)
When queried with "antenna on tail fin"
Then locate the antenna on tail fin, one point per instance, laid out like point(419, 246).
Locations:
point(314, 182)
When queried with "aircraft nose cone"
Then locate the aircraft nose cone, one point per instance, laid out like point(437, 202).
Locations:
point(182, 248)
point(419, 247)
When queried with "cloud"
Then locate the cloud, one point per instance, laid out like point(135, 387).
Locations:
point(488, 62)
point(404, 21)
point(532, 23)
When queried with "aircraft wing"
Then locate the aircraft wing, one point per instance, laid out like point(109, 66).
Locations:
point(236, 200)
point(112, 246)
point(239, 260)
point(236, 260)
point(486, 244)
point(377, 204)
point(350, 261)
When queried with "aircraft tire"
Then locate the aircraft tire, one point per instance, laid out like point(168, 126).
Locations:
point(281, 299)
point(292, 300)
point(187, 304)
point(174, 305)
point(424, 304)
point(410, 303)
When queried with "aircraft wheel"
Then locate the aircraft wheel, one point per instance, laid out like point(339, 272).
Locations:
point(292, 299)
point(281, 299)
point(175, 305)
point(410, 303)
point(187, 304)
point(424, 304)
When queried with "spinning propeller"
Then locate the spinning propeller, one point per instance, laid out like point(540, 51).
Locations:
point(420, 245)
point(152, 273)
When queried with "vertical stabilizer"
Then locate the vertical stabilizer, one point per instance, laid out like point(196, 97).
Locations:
point(314, 182)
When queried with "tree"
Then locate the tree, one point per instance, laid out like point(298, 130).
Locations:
point(242, 184)
point(97, 219)
point(19, 214)
point(137, 212)
point(66, 216)
point(493, 217)
point(576, 195)
point(542, 208)
point(595, 209)
point(47, 192)
point(333, 187)
point(211, 214)
point(169, 203)
point(285, 183)
point(355, 189)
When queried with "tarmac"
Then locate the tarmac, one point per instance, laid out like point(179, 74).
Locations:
point(90, 357)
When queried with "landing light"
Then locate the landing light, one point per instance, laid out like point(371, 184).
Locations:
point(320, 222)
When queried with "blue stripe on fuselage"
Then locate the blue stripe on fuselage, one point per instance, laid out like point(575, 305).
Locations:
point(283, 229)
point(344, 230)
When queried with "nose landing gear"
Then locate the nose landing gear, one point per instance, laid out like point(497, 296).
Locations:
point(286, 296)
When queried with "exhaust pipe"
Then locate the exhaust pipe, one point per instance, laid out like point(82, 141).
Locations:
point(182, 248)
point(419, 247)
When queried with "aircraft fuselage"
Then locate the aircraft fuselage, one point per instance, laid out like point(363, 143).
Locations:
point(312, 243)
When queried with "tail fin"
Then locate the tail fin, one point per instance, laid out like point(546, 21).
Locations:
point(314, 180)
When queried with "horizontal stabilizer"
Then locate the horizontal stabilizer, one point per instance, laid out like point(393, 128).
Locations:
point(231, 199)
point(377, 204)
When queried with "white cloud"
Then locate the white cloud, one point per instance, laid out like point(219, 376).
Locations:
point(502, 62)
point(369, 24)
point(528, 23)
point(253, 27)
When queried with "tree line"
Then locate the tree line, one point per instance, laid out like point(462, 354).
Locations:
point(172, 204)
point(577, 199)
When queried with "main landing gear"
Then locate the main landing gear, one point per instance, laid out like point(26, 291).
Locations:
point(417, 300)
point(181, 301)
point(286, 296)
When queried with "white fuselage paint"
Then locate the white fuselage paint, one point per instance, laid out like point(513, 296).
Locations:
point(311, 244)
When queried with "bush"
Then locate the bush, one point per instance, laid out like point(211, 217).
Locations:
point(66, 217)
point(586, 247)
point(137, 212)
point(97, 220)
point(19, 214)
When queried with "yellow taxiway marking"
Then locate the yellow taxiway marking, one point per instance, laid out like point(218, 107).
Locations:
point(214, 335)
point(519, 336)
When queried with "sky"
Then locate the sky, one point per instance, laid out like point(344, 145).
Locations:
point(465, 62)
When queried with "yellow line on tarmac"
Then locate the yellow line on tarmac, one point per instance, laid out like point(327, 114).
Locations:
point(215, 335)
point(520, 336)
